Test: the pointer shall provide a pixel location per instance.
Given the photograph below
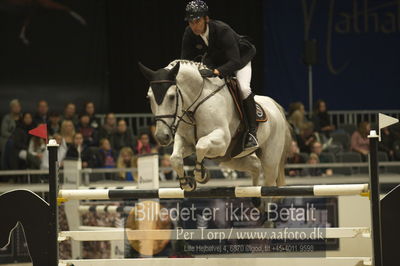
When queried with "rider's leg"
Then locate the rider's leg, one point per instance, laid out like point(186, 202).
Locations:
point(244, 77)
point(249, 107)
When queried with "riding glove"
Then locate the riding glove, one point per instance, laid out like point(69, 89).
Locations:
point(207, 73)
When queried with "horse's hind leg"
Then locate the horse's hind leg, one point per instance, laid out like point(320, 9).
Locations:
point(270, 158)
point(250, 164)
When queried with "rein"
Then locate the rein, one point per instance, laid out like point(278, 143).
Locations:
point(173, 127)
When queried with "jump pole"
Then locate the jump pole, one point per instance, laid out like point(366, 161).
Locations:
point(53, 194)
point(215, 192)
point(375, 200)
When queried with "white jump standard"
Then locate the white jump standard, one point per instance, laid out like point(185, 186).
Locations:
point(217, 192)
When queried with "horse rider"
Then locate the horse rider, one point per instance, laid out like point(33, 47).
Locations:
point(226, 53)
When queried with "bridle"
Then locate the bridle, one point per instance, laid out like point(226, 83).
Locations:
point(173, 127)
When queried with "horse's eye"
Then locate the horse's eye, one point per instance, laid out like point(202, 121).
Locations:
point(171, 97)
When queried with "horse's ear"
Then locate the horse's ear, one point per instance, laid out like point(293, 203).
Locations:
point(147, 72)
point(174, 71)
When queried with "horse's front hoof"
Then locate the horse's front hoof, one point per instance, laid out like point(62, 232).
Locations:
point(202, 175)
point(187, 184)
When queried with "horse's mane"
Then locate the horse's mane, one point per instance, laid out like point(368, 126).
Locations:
point(198, 65)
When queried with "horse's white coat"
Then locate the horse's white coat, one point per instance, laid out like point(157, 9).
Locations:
point(217, 121)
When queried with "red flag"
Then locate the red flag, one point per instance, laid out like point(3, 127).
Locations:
point(40, 131)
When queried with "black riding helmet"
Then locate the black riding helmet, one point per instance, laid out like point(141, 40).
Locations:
point(195, 10)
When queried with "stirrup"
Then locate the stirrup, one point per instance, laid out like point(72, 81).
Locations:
point(248, 150)
point(253, 140)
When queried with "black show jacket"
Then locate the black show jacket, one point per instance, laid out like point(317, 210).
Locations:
point(227, 51)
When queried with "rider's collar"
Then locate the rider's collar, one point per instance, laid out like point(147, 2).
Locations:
point(206, 34)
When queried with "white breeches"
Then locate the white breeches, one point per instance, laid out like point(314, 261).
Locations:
point(244, 78)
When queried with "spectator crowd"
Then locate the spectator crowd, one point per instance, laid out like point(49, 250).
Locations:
point(111, 143)
point(81, 136)
point(317, 140)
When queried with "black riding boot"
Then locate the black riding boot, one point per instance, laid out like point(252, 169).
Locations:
point(249, 107)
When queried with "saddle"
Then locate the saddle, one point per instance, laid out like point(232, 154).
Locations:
point(234, 89)
point(236, 145)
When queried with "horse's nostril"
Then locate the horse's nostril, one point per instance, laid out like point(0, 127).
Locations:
point(163, 138)
point(167, 138)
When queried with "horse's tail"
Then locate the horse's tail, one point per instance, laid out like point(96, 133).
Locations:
point(280, 181)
